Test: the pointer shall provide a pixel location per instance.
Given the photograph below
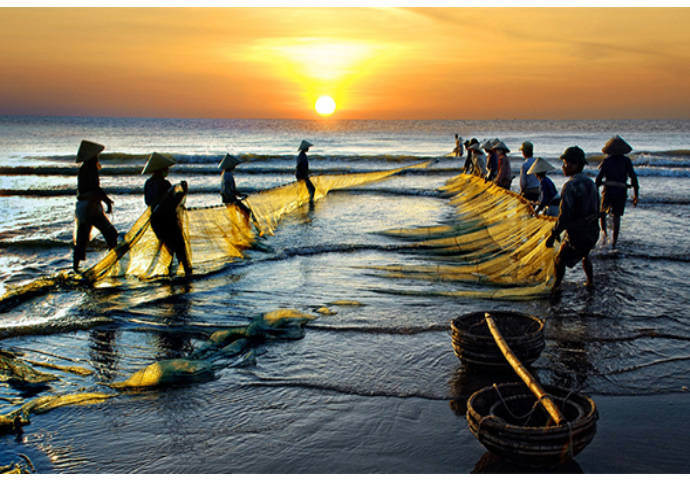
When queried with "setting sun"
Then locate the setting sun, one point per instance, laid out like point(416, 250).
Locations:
point(325, 105)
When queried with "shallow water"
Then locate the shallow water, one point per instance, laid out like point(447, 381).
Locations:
point(375, 388)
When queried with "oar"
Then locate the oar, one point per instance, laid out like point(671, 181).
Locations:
point(524, 374)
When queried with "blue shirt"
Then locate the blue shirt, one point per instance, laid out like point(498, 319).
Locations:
point(547, 192)
point(528, 181)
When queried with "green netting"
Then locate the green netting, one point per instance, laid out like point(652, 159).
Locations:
point(495, 242)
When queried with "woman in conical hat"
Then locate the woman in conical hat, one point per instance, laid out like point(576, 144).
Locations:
point(90, 196)
point(614, 173)
point(165, 201)
point(302, 171)
point(228, 190)
point(504, 175)
point(548, 194)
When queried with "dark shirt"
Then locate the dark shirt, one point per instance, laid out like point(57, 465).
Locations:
point(617, 168)
point(579, 212)
point(154, 189)
point(504, 174)
point(302, 171)
point(469, 166)
point(547, 192)
point(88, 183)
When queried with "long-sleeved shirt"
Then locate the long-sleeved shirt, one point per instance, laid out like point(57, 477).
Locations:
point(302, 171)
point(547, 192)
point(88, 183)
point(528, 181)
point(478, 164)
point(155, 188)
point(228, 190)
point(579, 212)
point(504, 177)
point(617, 168)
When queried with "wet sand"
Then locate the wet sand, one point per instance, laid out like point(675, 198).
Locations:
point(313, 431)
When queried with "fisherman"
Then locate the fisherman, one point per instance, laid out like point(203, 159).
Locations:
point(614, 172)
point(469, 165)
point(90, 196)
point(504, 175)
point(302, 171)
point(458, 151)
point(529, 184)
point(548, 194)
point(478, 160)
point(166, 202)
point(578, 217)
point(228, 191)
point(491, 159)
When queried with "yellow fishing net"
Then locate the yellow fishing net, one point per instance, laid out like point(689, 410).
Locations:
point(214, 236)
point(219, 234)
point(496, 241)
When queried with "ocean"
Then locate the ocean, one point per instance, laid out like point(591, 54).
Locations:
point(374, 387)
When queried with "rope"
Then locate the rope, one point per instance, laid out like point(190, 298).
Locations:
point(526, 416)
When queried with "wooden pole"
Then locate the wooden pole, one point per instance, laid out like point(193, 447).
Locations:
point(524, 374)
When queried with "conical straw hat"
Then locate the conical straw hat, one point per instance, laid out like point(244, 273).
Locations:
point(616, 146)
point(229, 162)
point(304, 145)
point(500, 146)
point(540, 166)
point(88, 150)
point(156, 162)
point(489, 143)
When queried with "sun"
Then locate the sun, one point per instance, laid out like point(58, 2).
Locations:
point(325, 105)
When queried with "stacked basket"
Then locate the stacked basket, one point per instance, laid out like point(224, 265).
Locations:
point(474, 345)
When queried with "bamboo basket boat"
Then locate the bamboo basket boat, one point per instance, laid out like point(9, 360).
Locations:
point(475, 347)
point(508, 422)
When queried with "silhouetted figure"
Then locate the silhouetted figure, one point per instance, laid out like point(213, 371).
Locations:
point(90, 196)
point(228, 190)
point(614, 172)
point(165, 202)
point(302, 171)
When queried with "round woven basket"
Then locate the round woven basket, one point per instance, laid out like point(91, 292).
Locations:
point(476, 347)
point(507, 419)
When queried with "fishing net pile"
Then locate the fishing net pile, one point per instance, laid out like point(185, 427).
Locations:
point(495, 243)
point(232, 346)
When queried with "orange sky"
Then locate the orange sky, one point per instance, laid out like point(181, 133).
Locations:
point(380, 63)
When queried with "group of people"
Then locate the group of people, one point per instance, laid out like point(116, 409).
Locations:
point(581, 210)
point(164, 199)
point(494, 165)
